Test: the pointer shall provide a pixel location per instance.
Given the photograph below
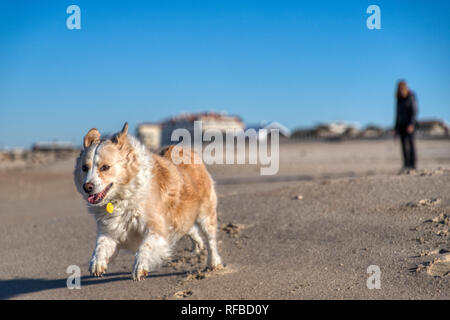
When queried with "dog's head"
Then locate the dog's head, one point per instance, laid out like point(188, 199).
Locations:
point(105, 166)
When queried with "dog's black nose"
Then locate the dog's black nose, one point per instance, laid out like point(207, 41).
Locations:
point(88, 187)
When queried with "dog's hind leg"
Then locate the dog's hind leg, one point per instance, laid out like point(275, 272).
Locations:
point(153, 250)
point(197, 242)
point(208, 225)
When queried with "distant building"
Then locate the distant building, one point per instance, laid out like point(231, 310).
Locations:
point(284, 131)
point(351, 133)
point(13, 154)
point(209, 120)
point(40, 152)
point(155, 135)
point(372, 132)
point(336, 130)
point(53, 146)
point(150, 135)
point(304, 134)
point(328, 131)
point(432, 129)
point(262, 135)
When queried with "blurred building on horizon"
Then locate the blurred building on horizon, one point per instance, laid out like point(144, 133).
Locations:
point(336, 131)
point(155, 135)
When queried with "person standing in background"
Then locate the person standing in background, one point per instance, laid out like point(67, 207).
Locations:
point(405, 123)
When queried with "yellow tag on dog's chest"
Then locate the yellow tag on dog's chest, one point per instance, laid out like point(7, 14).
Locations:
point(109, 207)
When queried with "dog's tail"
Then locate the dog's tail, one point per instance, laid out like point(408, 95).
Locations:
point(182, 153)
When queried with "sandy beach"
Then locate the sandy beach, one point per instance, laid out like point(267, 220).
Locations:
point(309, 232)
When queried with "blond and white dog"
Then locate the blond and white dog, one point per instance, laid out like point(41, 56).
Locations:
point(144, 202)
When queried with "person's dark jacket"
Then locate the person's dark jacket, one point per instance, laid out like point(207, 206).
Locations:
point(406, 112)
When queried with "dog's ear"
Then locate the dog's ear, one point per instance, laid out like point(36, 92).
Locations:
point(93, 136)
point(121, 137)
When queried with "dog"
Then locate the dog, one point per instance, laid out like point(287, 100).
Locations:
point(144, 202)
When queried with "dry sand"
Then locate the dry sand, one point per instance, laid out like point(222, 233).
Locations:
point(309, 232)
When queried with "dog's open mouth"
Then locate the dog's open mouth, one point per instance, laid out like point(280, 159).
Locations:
point(96, 198)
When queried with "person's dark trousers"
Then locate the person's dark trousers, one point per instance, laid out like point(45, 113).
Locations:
point(408, 149)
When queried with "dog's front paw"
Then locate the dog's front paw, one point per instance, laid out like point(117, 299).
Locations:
point(140, 270)
point(215, 263)
point(97, 267)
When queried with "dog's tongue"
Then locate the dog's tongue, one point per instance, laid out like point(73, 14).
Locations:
point(97, 197)
point(92, 198)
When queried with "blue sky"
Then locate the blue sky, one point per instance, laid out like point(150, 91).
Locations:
point(296, 62)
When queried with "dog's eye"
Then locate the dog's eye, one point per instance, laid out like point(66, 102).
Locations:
point(84, 168)
point(104, 168)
